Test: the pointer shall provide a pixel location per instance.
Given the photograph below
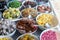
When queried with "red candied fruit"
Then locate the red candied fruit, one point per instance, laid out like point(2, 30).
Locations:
point(49, 35)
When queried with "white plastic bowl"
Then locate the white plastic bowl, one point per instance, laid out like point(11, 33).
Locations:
point(29, 34)
point(47, 25)
point(9, 23)
point(29, 0)
point(15, 18)
point(44, 5)
point(53, 29)
point(12, 1)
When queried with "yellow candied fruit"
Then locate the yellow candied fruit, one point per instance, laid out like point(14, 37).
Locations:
point(44, 18)
point(4, 39)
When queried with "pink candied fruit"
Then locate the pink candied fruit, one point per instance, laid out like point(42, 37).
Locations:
point(49, 35)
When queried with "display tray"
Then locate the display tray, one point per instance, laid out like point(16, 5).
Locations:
point(39, 31)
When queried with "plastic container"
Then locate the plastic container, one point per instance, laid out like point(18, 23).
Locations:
point(28, 34)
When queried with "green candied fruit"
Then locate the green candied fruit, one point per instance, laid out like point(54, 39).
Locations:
point(15, 4)
point(11, 13)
